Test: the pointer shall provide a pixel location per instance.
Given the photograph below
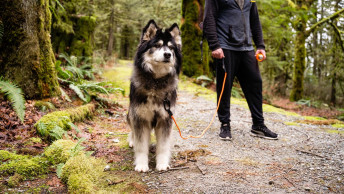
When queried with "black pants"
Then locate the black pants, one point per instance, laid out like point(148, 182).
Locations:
point(244, 66)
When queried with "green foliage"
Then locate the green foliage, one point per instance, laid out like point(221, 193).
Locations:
point(60, 151)
point(14, 180)
point(15, 95)
point(54, 126)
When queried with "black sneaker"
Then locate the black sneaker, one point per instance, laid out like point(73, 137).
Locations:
point(225, 133)
point(263, 132)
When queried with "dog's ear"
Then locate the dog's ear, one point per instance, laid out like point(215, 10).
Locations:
point(175, 32)
point(149, 31)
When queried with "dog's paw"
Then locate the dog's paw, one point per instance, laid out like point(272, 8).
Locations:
point(141, 168)
point(131, 144)
point(162, 167)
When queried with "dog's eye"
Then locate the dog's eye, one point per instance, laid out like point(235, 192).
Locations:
point(171, 47)
point(157, 45)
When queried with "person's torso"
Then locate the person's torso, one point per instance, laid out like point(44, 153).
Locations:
point(233, 24)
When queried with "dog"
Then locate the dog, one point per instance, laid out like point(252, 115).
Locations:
point(154, 80)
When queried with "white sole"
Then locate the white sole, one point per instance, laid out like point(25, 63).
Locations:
point(262, 136)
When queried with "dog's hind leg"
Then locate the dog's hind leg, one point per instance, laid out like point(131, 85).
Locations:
point(141, 148)
point(163, 137)
point(131, 139)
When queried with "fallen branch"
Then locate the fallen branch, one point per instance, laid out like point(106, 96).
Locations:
point(172, 169)
point(115, 182)
point(202, 171)
point(313, 154)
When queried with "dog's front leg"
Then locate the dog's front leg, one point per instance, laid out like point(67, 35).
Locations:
point(163, 152)
point(141, 148)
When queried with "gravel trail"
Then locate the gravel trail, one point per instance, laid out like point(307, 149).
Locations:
point(305, 159)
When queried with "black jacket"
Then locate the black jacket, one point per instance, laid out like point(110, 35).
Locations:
point(228, 26)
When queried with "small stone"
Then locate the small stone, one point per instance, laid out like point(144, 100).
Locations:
point(307, 189)
point(115, 140)
point(111, 133)
point(271, 182)
point(107, 168)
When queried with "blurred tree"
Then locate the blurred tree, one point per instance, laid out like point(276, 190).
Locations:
point(73, 27)
point(192, 15)
point(302, 33)
point(26, 55)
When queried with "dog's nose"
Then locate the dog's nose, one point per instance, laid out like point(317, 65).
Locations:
point(167, 55)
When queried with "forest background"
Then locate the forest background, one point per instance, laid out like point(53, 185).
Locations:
point(304, 40)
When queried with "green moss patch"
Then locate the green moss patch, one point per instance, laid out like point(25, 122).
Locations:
point(42, 105)
point(292, 123)
point(338, 125)
point(60, 151)
point(82, 174)
point(14, 180)
point(25, 165)
point(322, 122)
point(54, 125)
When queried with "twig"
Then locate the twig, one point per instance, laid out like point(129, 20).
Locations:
point(202, 171)
point(172, 169)
point(115, 182)
point(313, 154)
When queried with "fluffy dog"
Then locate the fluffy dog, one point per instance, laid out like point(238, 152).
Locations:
point(153, 81)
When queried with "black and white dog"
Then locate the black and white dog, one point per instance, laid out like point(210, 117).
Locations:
point(154, 79)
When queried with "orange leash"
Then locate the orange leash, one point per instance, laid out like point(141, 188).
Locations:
point(212, 120)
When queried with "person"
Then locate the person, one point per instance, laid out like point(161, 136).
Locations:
point(230, 26)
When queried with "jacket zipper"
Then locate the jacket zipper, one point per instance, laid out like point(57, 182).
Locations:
point(243, 16)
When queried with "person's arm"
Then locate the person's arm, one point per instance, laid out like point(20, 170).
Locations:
point(209, 24)
point(256, 28)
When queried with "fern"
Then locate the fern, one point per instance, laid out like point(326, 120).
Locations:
point(78, 92)
point(15, 95)
point(57, 132)
point(65, 95)
point(93, 86)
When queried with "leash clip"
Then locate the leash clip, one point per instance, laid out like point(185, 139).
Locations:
point(167, 107)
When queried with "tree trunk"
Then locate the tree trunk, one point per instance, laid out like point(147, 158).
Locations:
point(111, 37)
point(300, 48)
point(299, 63)
point(192, 15)
point(26, 55)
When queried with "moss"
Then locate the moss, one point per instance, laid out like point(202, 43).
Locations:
point(321, 122)
point(32, 141)
point(26, 166)
point(53, 125)
point(292, 123)
point(48, 123)
point(60, 151)
point(14, 180)
point(82, 167)
point(42, 105)
point(6, 155)
point(79, 183)
point(191, 37)
point(338, 125)
point(269, 108)
point(82, 112)
point(311, 118)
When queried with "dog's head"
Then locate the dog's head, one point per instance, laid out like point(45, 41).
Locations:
point(159, 51)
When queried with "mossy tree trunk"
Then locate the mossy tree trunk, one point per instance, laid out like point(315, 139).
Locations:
point(192, 15)
point(300, 49)
point(26, 55)
point(72, 32)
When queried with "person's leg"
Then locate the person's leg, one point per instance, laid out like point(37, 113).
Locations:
point(251, 84)
point(224, 109)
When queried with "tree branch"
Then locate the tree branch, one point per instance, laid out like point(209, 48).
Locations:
point(336, 30)
point(316, 25)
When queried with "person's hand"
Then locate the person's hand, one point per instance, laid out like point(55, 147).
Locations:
point(218, 54)
point(261, 51)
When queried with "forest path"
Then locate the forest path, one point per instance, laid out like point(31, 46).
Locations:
point(306, 158)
